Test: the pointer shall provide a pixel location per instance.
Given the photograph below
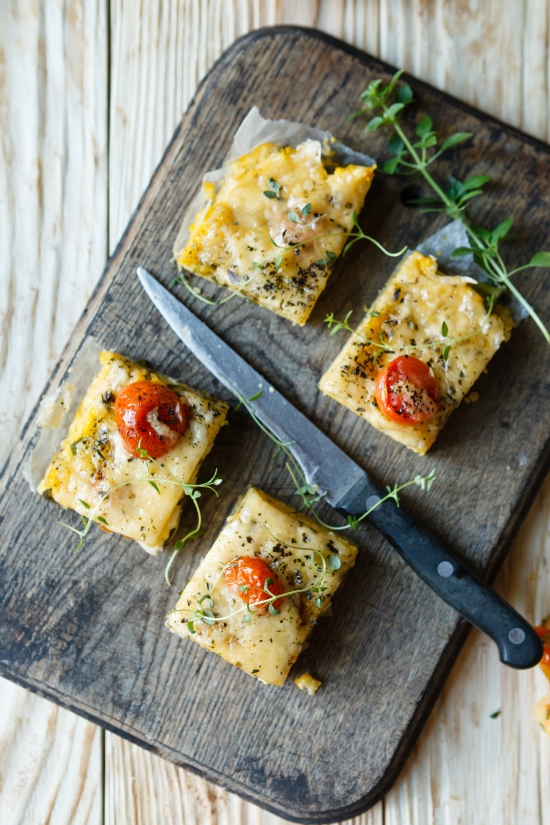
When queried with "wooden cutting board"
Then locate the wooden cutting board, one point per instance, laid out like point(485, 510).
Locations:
point(86, 629)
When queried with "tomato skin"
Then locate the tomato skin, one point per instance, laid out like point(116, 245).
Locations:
point(544, 633)
point(251, 572)
point(406, 391)
point(132, 407)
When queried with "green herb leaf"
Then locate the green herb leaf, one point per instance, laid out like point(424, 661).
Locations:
point(453, 140)
point(462, 250)
point(476, 182)
point(501, 230)
point(101, 519)
point(389, 167)
point(319, 601)
point(256, 670)
point(306, 210)
point(274, 189)
point(279, 260)
point(190, 627)
point(268, 582)
point(395, 108)
point(154, 486)
point(373, 124)
point(405, 94)
point(427, 141)
point(334, 562)
point(84, 504)
point(424, 126)
point(246, 618)
point(496, 714)
point(208, 617)
point(395, 145)
point(444, 329)
point(353, 522)
point(273, 610)
point(292, 216)
point(446, 352)
point(540, 259)
point(255, 397)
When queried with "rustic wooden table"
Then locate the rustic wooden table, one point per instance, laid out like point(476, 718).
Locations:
point(90, 92)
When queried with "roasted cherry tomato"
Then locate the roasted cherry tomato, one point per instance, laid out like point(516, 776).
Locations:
point(544, 633)
point(151, 417)
point(406, 391)
point(247, 577)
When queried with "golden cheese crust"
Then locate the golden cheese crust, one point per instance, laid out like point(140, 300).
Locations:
point(407, 315)
point(92, 460)
point(265, 646)
point(238, 226)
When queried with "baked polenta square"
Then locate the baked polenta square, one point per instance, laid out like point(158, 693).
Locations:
point(276, 225)
point(99, 469)
point(266, 579)
point(424, 343)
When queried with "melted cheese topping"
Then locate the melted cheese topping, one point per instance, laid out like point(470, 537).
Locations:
point(409, 313)
point(92, 460)
point(267, 645)
point(239, 224)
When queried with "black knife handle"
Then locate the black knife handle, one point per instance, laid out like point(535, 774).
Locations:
point(518, 643)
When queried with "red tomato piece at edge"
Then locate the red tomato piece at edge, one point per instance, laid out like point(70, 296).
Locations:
point(544, 633)
point(406, 391)
point(246, 577)
point(150, 417)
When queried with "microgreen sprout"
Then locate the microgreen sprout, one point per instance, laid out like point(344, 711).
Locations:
point(193, 491)
point(323, 565)
point(415, 155)
point(310, 496)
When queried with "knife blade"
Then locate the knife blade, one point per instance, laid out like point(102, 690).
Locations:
point(347, 487)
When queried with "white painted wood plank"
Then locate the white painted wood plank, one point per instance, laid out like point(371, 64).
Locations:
point(53, 185)
point(142, 789)
point(50, 763)
point(53, 244)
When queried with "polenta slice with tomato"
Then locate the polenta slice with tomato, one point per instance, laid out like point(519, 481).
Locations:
point(276, 225)
point(261, 587)
point(419, 350)
point(128, 416)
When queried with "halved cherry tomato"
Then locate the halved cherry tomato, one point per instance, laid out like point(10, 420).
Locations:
point(406, 391)
point(544, 633)
point(151, 417)
point(247, 577)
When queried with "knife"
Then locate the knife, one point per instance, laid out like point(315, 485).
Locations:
point(347, 487)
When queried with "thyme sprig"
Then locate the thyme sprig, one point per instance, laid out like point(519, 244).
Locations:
point(383, 345)
point(309, 495)
point(191, 490)
point(416, 155)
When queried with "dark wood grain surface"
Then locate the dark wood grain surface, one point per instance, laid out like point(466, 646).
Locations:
point(86, 629)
